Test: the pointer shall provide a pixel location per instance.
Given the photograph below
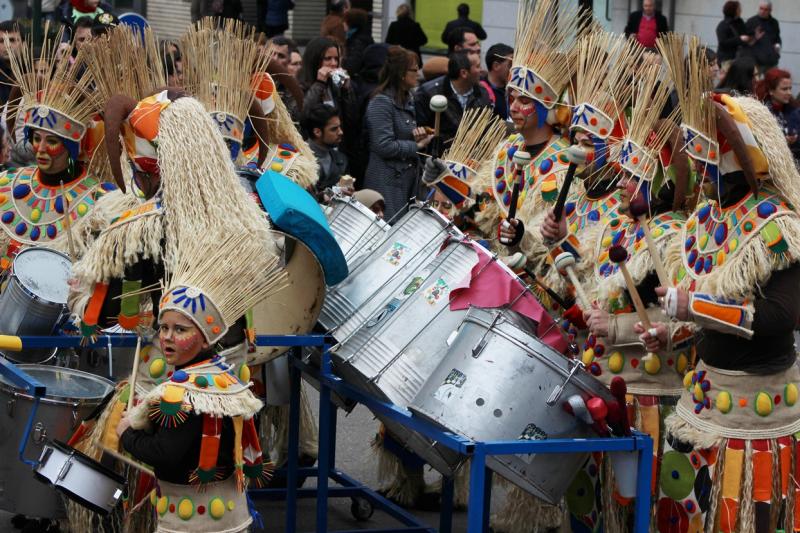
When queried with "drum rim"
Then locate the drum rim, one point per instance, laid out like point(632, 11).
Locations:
point(22, 285)
point(57, 400)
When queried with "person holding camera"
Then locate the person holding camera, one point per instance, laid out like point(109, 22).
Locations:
point(324, 82)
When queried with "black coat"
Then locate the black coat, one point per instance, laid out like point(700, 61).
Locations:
point(354, 51)
point(451, 117)
point(632, 28)
point(407, 33)
point(763, 50)
point(729, 31)
point(476, 28)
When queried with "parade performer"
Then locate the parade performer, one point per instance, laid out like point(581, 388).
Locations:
point(197, 430)
point(652, 200)
point(730, 459)
point(54, 203)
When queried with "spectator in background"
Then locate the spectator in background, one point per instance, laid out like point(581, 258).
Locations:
point(463, 21)
point(498, 66)
point(364, 85)
point(49, 11)
point(324, 82)
point(95, 9)
point(461, 38)
point(713, 64)
point(277, 17)
point(765, 32)
point(359, 37)
point(646, 24)
point(731, 33)
point(323, 128)
point(407, 32)
point(82, 33)
point(173, 64)
point(461, 86)
point(393, 135)
point(282, 52)
point(739, 78)
point(775, 90)
point(332, 25)
point(372, 200)
point(295, 62)
point(8, 29)
point(282, 49)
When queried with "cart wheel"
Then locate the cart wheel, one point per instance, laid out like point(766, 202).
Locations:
point(361, 509)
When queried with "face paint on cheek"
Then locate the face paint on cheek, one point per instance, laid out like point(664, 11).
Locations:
point(527, 110)
point(55, 151)
point(188, 341)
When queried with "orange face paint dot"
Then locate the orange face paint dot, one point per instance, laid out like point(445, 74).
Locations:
point(712, 154)
point(68, 126)
point(209, 319)
point(215, 330)
point(635, 160)
point(538, 89)
point(698, 148)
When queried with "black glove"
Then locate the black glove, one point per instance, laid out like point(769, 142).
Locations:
point(433, 170)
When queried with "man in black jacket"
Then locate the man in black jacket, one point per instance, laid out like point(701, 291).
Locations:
point(463, 20)
point(765, 33)
point(461, 86)
point(646, 24)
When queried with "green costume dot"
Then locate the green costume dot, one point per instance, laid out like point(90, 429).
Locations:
point(580, 495)
point(677, 475)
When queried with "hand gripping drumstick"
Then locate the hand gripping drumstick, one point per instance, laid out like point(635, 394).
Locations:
point(564, 262)
point(577, 156)
point(521, 160)
point(639, 210)
point(438, 104)
point(618, 255)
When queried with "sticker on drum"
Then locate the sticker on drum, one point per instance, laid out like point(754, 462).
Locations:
point(44, 273)
point(394, 255)
point(454, 380)
point(436, 292)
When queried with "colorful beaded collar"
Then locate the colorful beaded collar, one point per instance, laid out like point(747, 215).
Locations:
point(32, 212)
point(585, 211)
point(713, 235)
point(541, 173)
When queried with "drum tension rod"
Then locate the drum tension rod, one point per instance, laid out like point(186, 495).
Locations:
point(559, 389)
point(481, 344)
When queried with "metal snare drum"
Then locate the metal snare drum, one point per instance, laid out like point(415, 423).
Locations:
point(411, 244)
point(357, 229)
point(79, 477)
point(498, 382)
point(71, 396)
point(34, 301)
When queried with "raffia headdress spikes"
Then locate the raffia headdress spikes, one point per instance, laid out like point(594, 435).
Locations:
point(56, 99)
point(545, 31)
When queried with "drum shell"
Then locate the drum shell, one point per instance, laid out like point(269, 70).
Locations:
point(411, 244)
point(56, 418)
point(116, 367)
point(503, 397)
point(22, 313)
point(357, 229)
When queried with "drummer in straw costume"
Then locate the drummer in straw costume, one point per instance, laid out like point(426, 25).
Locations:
point(613, 347)
point(197, 430)
point(730, 456)
point(537, 80)
point(222, 81)
point(54, 203)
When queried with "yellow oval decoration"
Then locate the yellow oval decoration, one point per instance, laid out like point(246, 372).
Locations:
point(216, 508)
point(724, 402)
point(616, 362)
point(733, 244)
point(220, 381)
point(36, 215)
point(4, 180)
point(691, 223)
point(697, 393)
point(606, 242)
point(653, 364)
point(162, 505)
point(83, 209)
point(588, 356)
point(185, 509)
point(763, 404)
point(153, 498)
point(244, 373)
point(682, 363)
point(157, 368)
point(231, 505)
point(790, 394)
point(687, 380)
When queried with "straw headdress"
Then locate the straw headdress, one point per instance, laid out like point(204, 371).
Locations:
point(545, 31)
point(56, 99)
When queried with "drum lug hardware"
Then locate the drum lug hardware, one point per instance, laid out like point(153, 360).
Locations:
point(64, 470)
point(559, 389)
point(46, 453)
point(74, 416)
point(10, 407)
point(39, 433)
point(481, 344)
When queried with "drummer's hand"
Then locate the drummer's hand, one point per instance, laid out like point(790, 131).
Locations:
point(73, 282)
point(675, 302)
point(652, 343)
point(553, 230)
point(597, 321)
point(508, 230)
point(124, 424)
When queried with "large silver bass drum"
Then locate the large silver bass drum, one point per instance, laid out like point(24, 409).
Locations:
point(71, 396)
point(34, 301)
point(411, 244)
point(357, 229)
point(499, 382)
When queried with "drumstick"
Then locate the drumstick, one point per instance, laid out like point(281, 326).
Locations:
point(576, 156)
point(437, 104)
point(132, 382)
point(639, 210)
point(565, 261)
point(618, 255)
point(128, 461)
point(68, 223)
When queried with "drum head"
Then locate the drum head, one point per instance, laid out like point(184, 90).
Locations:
point(44, 273)
point(65, 383)
point(294, 309)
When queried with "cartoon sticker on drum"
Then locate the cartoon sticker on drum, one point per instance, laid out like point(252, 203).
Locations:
point(394, 256)
point(412, 287)
point(454, 380)
point(533, 432)
point(436, 292)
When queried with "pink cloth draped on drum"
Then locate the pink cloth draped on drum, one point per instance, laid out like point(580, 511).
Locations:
point(495, 287)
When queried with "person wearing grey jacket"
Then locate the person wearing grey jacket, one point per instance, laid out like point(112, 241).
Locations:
point(392, 133)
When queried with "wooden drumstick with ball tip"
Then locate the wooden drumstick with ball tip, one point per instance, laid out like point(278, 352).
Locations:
point(577, 156)
point(438, 105)
point(640, 211)
point(619, 255)
point(521, 160)
point(565, 261)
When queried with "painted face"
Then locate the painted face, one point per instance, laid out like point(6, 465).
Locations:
point(181, 341)
point(82, 36)
point(442, 204)
point(521, 108)
point(627, 187)
point(52, 156)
